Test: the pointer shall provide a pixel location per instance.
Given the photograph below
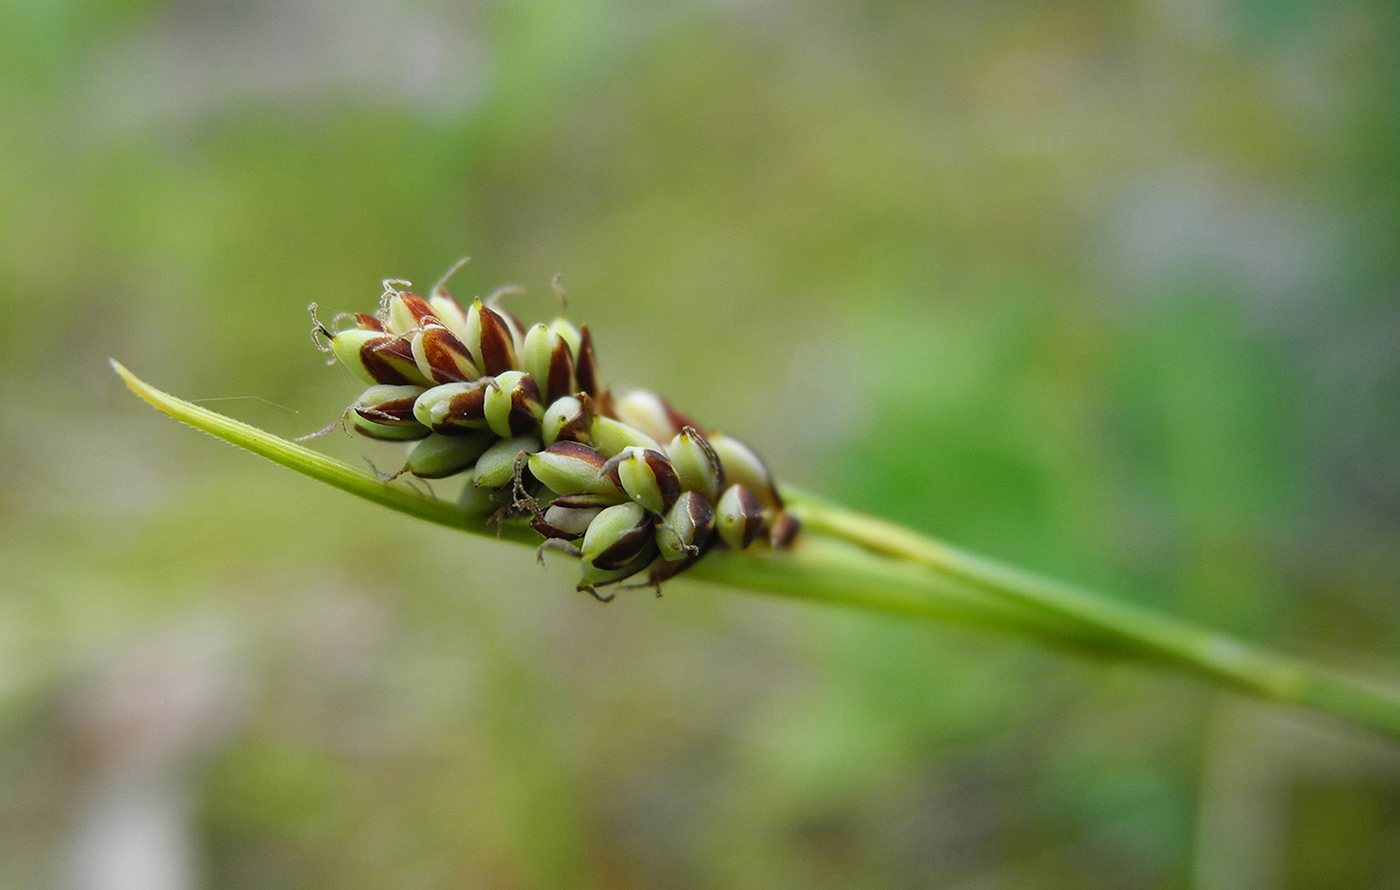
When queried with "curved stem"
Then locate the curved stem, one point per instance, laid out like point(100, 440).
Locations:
point(854, 559)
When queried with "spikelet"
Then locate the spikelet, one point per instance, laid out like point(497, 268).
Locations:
point(624, 482)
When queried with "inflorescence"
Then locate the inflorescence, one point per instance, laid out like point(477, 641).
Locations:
point(622, 481)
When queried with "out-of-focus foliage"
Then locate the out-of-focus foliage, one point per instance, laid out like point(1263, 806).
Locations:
point(1105, 289)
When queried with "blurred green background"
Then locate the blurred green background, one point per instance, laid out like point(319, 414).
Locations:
point(1108, 290)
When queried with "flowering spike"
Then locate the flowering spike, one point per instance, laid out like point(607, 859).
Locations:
point(523, 413)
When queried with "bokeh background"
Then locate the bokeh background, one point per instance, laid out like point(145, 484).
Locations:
point(1108, 290)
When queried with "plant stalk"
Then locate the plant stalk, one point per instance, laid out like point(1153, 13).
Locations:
point(857, 560)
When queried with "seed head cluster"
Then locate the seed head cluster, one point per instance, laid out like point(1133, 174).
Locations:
point(622, 481)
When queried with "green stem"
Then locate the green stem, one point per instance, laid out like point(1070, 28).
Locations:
point(1138, 631)
point(853, 559)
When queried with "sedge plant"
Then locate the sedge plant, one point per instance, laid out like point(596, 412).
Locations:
point(636, 492)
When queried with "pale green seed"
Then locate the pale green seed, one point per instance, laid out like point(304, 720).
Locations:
point(614, 525)
point(496, 467)
point(696, 464)
point(610, 437)
point(501, 397)
point(566, 412)
point(571, 468)
point(438, 456)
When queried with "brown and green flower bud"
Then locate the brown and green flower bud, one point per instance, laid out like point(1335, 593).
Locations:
point(567, 418)
point(739, 517)
point(647, 477)
point(441, 356)
point(741, 465)
point(687, 527)
point(496, 468)
point(594, 577)
point(617, 536)
point(376, 357)
point(454, 408)
point(611, 437)
point(648, 412)
point(400, 433)
point(512, 404)
point(407, 312)
point(571, 468)
point(388, 405)
point(548, 359)
point(489, 339)
point(569, 516)
point(696, 463)
point(439, 456)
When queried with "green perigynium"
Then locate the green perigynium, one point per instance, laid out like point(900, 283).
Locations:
point(519, 414)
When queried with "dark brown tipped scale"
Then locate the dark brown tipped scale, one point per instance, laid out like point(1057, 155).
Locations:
point(513, 324)
point(525, 406)
point(446, 356)
point(616, 537)
point(497, 343)
point(567, 517)
point(586, 366)
point(784, 530)
point(739, 517)
point(561, 370)
point(368, 322)
point(469, 406)
point(647, 477)
point(389, 360)
point(419, 308)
